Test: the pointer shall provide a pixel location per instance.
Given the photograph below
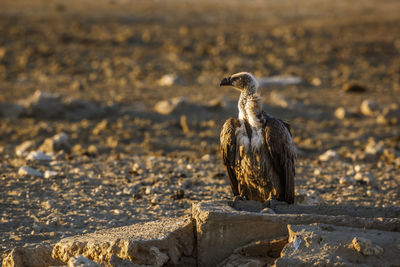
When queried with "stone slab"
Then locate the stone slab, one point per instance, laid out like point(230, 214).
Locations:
point(152, 243)
point(330, 245)
point(223, 226)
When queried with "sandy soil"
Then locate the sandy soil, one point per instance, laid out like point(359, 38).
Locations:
point(126, 163)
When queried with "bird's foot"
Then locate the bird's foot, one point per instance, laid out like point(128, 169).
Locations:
point(236, 199)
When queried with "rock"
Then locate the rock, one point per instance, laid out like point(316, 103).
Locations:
point(43, 105)
point(10, 110)
point(341, 113)
point(316, 81)
point(22, 149)
point(307, 197)
point(33, 256)
point(81, 261)
point(353, 88)
point(38, 155)
point(369, 107)
point(324, 245)
point(328, 155)
point(374, 148)
point(167, 80)
point(166, 107)
point(236, 260)
point(366, 247)
point(28, 171)
point(364, 178)
point(56, 143)
point(100, 127)
point(152, 243)
point(50, 174)
point(221, 228)
point(347, 181)
point(390, 115)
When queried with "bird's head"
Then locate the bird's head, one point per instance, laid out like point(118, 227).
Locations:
point(243, 81)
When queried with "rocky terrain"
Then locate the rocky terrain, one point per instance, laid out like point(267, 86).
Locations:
point(110, 112)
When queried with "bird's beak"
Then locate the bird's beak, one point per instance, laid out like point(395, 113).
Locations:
point(226, 81)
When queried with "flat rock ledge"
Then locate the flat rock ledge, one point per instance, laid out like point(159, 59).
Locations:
point(244, 233)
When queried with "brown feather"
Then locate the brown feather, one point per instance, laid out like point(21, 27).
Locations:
point(228, 151)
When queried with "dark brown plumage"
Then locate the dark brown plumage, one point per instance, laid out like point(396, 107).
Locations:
point(257, 149)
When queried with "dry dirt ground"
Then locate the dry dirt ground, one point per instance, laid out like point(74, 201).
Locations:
point(110, 62)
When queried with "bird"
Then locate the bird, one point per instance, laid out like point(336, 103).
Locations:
point(256, 148)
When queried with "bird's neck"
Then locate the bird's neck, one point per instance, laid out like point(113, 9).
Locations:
point(250, 109)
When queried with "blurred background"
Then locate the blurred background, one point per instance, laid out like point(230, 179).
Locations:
point(110, 110)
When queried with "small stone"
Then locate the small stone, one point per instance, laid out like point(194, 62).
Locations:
point(366, 247)
point(353, 88)
point(50, 174)
point(357, 168)
point(206, 157)
point(149, 190)
point(38, 155)
point(341, 113)
point(92, 150)
point(156, 199)
point(316, 81)
point(167, 80)
point(346, 181)
point(317, 172)
point(369, 108)
point(57, 142)
point(22, 149)
point(364, 178)
point(390, 115)
point(47, 204)
point(100, 127)
point(328, 155)
point(166, 107)
point(374, 148)
point(28, 171)
point(81, 261)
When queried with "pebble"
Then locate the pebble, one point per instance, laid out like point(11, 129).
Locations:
point(366, 247)
point(347, 181)
point(328, 155)
point(167, 80)
point(81, 261)
point(50, 174)
point(369, 107)
point(374, 148)
point(364, 178)
point(23, 148)
point(28, 171)
point(38, 155)
point(341, 113)
point(57, 142)
point(166, 107)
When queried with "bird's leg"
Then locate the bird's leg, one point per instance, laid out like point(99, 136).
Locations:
point(271, 202)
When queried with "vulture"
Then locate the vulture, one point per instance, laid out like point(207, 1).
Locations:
point(257, 149)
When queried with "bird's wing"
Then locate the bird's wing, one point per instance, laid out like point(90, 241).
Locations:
point(228, 151)
point(283, 154)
